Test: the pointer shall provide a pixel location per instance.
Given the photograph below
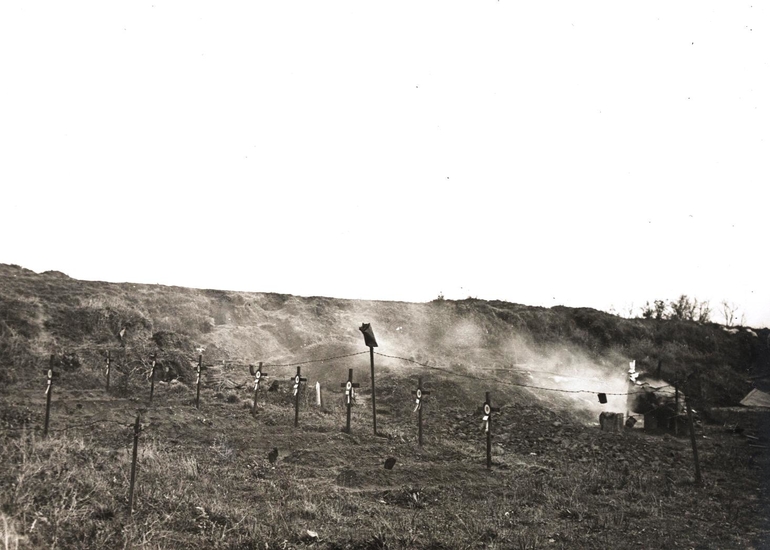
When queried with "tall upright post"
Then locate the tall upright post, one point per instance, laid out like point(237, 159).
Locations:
point(48, 392)
point(297, 380)
point(109, 361)
point(152, 376)
point(371, 342)
point(698, 479)
point(137, 430)
point(198, 382)
point(374, 393)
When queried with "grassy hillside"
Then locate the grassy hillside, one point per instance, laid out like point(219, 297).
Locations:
point(78, 321)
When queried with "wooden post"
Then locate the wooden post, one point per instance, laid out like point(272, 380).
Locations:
point(258, 375)
point(109, 361)
point(152, 376)
point(374, 405)
point(676, 408)
point(371, 343)
point(319, 401)
point(487, 409)
point(297, 380)
point(698, 478)
point(48, 392)
point(198, 382)
point(137, 430)
point(419, 393)
point(349, 385)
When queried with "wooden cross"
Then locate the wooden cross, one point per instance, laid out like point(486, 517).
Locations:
point(297, 380)
point(258, 375)
point(349, 385)
point(487, 409)
point(419, 393)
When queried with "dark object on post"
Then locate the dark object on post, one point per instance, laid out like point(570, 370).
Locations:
point(611, 422)
point(389, 463)
point(369, 339)
point(602, 398)
point(371, 342)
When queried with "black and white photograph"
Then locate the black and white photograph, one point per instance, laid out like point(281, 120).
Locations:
point(384, 275)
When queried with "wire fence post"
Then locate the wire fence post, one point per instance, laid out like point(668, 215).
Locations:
point(109, 361)
point(258, 375)
point(152, 376)
point(371, 343)
point(137, 431)
point(198, 381)
point(676, 408)
point(349, 385)
point(487, 409)
point(419, 393)
point(698, 478)
point(297, 380)
point(48, 392)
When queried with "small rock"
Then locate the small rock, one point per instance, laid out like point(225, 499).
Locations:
point(389, 463)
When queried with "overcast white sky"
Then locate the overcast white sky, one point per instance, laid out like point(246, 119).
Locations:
point(577, 153)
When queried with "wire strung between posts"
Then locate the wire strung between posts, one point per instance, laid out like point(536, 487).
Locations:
point(71, 426)
point(314, 360)
point(453, 373)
